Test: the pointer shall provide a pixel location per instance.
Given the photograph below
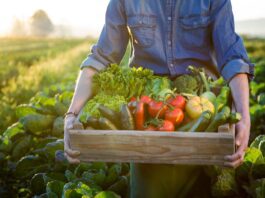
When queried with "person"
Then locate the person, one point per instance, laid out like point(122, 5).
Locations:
point(167, 36)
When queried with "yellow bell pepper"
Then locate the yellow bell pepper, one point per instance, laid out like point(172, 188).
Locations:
point(196, 105)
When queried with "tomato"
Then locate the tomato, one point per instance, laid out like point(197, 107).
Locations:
point(179, 101)
point(151, 128)
point(166, 126)
point(132, 99)
point(139, 116)
point(145, 99)
point(176, 116)
point(156, 107)
point(196, 105)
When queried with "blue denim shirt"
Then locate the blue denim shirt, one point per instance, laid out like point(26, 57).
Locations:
point(169, 35)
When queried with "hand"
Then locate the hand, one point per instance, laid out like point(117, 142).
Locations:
point(70, 154)
point(242, 138)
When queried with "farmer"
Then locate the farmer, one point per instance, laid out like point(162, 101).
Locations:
point(167, 36)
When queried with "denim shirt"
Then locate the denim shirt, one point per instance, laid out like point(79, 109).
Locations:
point(169, 35)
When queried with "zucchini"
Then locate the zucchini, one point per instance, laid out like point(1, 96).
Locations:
point(111, 115)
point(222, 99)
point(127, 122)
point(106, 124)
point(187, 126)
point(93, 122)
point(234, 118)
point(219, 119)
point(202, 122)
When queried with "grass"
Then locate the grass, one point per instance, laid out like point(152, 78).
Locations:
point(62, 65)
point(23, 53)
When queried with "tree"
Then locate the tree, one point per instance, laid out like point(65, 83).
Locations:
point(18, 28)
point(40, 24)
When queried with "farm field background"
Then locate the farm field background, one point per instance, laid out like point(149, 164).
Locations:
point(38, 78)
point(29, 65)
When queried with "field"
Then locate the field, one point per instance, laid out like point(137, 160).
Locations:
point(37, 82)
point(35, 64)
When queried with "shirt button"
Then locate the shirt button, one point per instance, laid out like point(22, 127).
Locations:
point(169, 18)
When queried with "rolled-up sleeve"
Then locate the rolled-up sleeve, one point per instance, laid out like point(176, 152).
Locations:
point(113, 39)
point(230, 52)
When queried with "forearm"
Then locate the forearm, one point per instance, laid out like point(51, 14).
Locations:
point(240, 92)
point(83, 90)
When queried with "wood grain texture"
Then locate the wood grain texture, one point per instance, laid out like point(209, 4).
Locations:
point(152, 147)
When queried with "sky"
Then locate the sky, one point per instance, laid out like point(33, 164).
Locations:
point(87, 16)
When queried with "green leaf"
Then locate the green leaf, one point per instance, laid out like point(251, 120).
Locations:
point(259, 143)
point(14, 130)
point(113, 102)
point(21, 147)
point(54, 176)
point(121, 186)
point(261, 99)
point(99, 166)
point(29, 165)
point(35, 123)
point(84, 189)
point(97, 178)
point(58, 127)
point(37, 184)
point(52, 147)
point(107, 194)
point(252, 155)
point(5, 144)
point(71, 194)
point(82, 167)
point(55, 187)
point(24, 110)
point(70, 176)
point(113, 174)
point(66, 97)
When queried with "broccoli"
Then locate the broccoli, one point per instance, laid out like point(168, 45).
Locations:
point(186, 84)
point(196, 82)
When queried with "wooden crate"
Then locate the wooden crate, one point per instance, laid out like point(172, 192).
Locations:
point(154, 147)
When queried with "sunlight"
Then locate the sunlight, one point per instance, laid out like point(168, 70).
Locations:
point(87, 16)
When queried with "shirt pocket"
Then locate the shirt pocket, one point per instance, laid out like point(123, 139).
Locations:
point(142, 29)
point(195, 31)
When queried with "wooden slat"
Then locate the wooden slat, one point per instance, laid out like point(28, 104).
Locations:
point(225, 128)
point(152, 147)
point(229, 128)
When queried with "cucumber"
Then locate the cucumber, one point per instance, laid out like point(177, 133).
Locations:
point(219, 119)
point(187, 126)
point(202, 122)
point(106, 124)
point(222, 99)
point(111, 115)
point(234, 118)
point(127, 121)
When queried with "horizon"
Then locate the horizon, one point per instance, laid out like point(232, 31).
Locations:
point(80, 15)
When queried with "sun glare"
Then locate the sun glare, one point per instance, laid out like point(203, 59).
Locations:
point(86, 17)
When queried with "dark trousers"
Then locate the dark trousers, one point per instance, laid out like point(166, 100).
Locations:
point(168, 181)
